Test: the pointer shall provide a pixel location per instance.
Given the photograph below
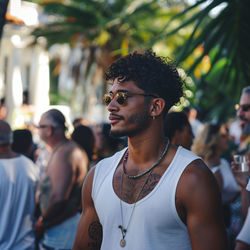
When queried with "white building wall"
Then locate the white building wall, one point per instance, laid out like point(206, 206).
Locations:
point(27, 69)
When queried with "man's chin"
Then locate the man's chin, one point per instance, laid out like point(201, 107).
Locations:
point(243, 124)
point(117, 133)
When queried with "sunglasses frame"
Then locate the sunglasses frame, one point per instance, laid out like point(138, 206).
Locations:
point(123, 96)
point(243, 107)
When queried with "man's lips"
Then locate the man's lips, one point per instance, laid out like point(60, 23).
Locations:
point(115, 118)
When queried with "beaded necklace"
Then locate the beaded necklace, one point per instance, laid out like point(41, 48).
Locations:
point(148, 170)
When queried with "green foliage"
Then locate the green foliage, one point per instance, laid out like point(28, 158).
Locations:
point(119, 27)
point(226, 39)
point(112, 27)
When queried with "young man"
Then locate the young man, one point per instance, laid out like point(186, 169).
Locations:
point(151, 195)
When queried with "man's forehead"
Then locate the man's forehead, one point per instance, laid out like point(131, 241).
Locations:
point(124, 86)
point(43, 118)
point(245, 98)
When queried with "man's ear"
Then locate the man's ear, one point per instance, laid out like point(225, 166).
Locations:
point(50, 130)
point(157, 106)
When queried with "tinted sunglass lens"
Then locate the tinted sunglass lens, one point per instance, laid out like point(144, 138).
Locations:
point(107, 99)
point(120, 98)
point(245, 108)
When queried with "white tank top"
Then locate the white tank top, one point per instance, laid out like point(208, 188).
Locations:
point(155, 224)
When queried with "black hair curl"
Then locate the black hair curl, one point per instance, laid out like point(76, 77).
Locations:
point(151, 73)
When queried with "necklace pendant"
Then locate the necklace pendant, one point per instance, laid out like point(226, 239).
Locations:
point(123, 243)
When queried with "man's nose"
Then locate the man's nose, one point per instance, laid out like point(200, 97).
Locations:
point(240, 112)
point(113, 105)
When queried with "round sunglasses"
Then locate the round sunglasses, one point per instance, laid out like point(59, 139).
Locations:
point(121, 97)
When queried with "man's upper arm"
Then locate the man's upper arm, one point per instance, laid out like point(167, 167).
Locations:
point(201, 198)
point(89, 231)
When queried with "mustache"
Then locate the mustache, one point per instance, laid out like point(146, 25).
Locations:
point(243, 118)
point(115, 115)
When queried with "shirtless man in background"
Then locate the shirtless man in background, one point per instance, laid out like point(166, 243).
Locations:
point(59, 191)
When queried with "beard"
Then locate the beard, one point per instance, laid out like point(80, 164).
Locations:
point(138, 121)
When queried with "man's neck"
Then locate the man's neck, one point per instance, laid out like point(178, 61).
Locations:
point(53, 143)
point(145, 148)
point(6, 152)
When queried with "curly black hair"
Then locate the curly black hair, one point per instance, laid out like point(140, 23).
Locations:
point(153, 74)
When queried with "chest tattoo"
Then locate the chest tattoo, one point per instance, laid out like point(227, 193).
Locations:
point(132, 187)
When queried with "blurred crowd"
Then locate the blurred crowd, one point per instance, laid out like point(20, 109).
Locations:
point(42, 170)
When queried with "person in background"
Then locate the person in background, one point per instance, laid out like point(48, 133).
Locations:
point(193, 117)
point(232, 145)
point(244, 145)
point(18, 180)
point(177, 128)
point(3, 109)
point(23, 143)
point(59, 189)
point(210, 144)
point(243, 113)
point(235, 130)
point(84, 137)
point(150, 195)
point(80, 121)
point(243, 238)
point(106, 144)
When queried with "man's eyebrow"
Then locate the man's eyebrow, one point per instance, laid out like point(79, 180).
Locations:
point(120, 90)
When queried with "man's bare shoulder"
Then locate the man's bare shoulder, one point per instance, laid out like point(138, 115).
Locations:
point(70, 149)
point(87, 186)
point(197, 181)
point(197, 168)
point(197, 173)
point(69, 146)
point(90, 176)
